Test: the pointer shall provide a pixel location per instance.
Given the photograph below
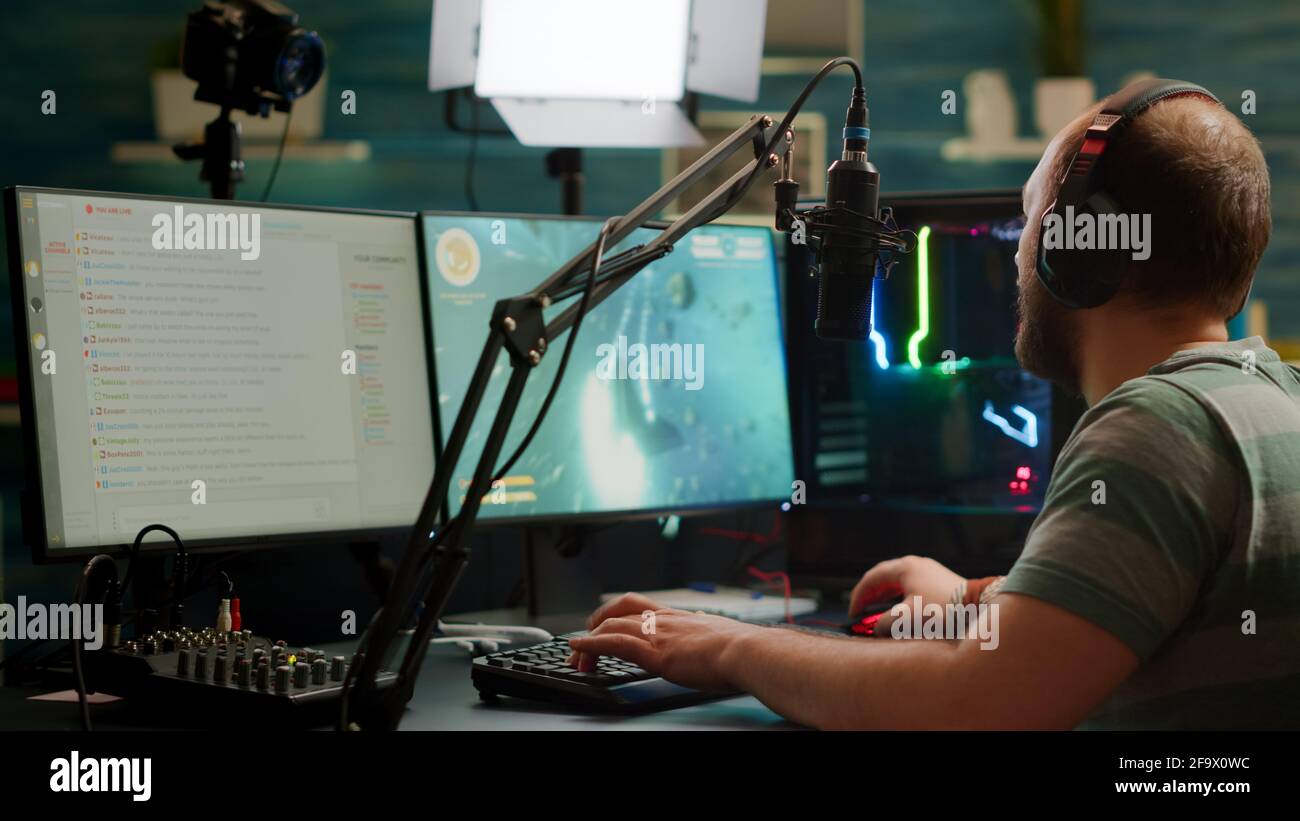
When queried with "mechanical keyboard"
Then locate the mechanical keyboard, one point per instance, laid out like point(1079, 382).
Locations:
point(541, 673)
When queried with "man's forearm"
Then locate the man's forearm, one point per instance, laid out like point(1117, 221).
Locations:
point(832, 683)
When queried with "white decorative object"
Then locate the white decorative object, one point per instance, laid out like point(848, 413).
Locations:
point(990, 107)
point(991, 123)
point(1058, 100)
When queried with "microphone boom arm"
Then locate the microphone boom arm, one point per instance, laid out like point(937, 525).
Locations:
point(436, 555)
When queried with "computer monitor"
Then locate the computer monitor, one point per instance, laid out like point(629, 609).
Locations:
point(933, 410)
point(674, 398)
point(271, 389)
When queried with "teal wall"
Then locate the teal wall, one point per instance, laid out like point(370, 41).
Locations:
point(97, 56)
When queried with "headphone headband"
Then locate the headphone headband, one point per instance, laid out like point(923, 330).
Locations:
point(1088, 279)
point(1117, 112)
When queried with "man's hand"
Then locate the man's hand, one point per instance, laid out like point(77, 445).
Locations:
point(689, 649)
point(1050, 669)
point(907, 577)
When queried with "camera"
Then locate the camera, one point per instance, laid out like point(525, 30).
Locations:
point(250, 55)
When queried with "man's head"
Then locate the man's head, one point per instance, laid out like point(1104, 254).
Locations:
point(1199, 173)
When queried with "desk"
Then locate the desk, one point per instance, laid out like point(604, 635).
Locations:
point(444, 699)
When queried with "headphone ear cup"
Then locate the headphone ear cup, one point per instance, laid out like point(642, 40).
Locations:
point(1075, 277)
point(1056, 267)
point(1106, 269)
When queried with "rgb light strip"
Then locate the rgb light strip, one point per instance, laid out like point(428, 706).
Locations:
point(922, 298)
point(877, 338)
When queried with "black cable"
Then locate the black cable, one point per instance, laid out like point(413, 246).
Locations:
point(83, 582)
point(568, 349)
point(275, 169)
point(453, 123)
point(573, 288)
point(739, 190)
point(550, 396)
point(473, 156)
point(180, 571)
point(126, 621)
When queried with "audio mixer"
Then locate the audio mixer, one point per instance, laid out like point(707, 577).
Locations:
point(231, 672)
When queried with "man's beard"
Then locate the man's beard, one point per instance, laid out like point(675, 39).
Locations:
point(1046, 339)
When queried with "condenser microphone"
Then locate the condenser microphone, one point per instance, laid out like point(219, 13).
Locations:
point(846, 260)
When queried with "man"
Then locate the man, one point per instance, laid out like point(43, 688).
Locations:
point(1160, 585)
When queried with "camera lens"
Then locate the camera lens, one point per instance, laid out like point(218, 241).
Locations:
point(299, 66)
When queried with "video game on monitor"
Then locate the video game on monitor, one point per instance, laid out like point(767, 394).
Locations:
point(933, 409)
point(238, 373)
point(675, 396)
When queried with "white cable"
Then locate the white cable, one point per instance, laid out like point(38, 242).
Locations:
point(474, 645)
point(510, 633)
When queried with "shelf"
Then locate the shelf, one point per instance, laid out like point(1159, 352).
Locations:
point(321, 151)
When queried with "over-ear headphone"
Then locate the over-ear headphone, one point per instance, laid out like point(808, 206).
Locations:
point(1089, 278)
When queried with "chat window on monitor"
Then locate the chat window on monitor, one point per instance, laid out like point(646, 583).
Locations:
point(220, 394)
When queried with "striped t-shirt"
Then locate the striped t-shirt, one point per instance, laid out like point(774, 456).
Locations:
point(1173, 522)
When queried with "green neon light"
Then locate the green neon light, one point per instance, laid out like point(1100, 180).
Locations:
point(922, 298)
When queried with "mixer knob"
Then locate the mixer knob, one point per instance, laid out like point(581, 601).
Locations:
point(183, 662)
point(219, 673)
point(338, 666)
point(301, 671)
point(319, 669)
point(263, 676)
point(201, 664)
point(282, 674)
point(243, 672)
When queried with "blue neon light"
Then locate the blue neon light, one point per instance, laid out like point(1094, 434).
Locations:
point(877, 338)
point(1028, 435)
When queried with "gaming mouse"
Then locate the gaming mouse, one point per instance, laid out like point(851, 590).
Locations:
point(863, 624)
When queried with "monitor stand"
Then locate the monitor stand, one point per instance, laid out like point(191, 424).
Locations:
point(560, 576)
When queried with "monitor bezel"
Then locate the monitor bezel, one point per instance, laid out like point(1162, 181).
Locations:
point(631, 514)
point(32, 496)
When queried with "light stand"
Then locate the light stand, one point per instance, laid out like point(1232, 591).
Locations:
point(435, 558)
point(565, 164)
